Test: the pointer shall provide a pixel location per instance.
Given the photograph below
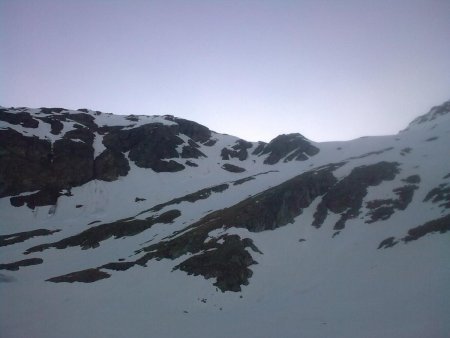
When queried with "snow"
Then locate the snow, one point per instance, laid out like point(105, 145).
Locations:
point(320, 287)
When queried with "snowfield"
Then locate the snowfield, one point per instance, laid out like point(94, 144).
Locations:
point(306, 280)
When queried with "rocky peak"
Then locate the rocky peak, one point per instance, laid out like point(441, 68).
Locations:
point(288, 146)
point(434, 115)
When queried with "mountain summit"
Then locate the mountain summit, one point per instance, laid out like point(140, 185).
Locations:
point(141, 226)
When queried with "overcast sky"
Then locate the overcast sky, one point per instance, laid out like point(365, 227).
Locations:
point(331, 70)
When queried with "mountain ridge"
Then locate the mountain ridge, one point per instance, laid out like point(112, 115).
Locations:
point(96, 199)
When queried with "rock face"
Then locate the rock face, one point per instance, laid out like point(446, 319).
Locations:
point(346, 197)
point(92, 237)
point(239, 150)
point(295, 145)
point(31, 163)
point(432, 115)
point(17, 265)
point(51, 166)
point(148, 146)
point(232, 168)
point(228, 263)
point(25, 163)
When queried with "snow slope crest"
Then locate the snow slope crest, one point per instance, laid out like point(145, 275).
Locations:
point(437, 114)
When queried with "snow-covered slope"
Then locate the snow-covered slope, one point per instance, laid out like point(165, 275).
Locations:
point(141, 226)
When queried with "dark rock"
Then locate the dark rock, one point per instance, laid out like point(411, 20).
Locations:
point(228, 263)
point(86, 120)
point(283, 145)
point(72, 163)
point(249, 178)
point(133, 118)
point(346, 197)
point(191, 152)
point(30, 164)
point(413, 179)
point(19, 237)
point(194, 197)
point(243, 180)
point(191, 164)
point(56, 126)
point(232, 168)
point(405, 151)
point(195, 131)
point(439, 194)
point(109, 129)
point(433, 114)
point(92, 237)
point(384, 209)
point(19, 118)
point(47, 196)
point(137, 199)
point(441, 225)
point(167, 166)
point(17, 265)
point(239, 151)
point(118, 266)
point(25, 163)
point(387, 243)
point(82, 134)
point(210, 143)
point(378, 152)
point(259, 148)
point(276, 206)
point(109, 165)
point(49, 111)
point(148, 145)
point(83, 276)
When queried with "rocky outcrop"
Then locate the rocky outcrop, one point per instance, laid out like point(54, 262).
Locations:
point(25, 163)
point(227, 259)
point(346, 197)
point(50, 169)
point(227, 262)
point(194, 130)
point(20, 237)
point(385, 208)
point(439, 195)
point(92, 237)
point(239, 151)
point(148, 146)
point(109, 165)
point(440, 225)
point(191, 198)
point(232, 168)
point(19, 118)
point(34, 164)
point(432, 115)
point(24, 262)
point(83, 276)
point(295, 145)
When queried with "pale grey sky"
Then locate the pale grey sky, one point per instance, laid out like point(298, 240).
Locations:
point(331, 70)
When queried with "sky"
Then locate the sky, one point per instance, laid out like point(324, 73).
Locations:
point(330, 70)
